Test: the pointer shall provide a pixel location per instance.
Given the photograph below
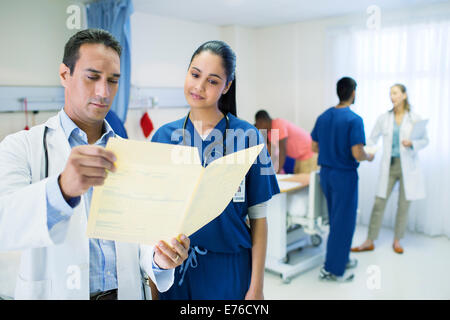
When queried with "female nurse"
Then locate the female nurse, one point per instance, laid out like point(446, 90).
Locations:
point(400, 163)
point(227, 256)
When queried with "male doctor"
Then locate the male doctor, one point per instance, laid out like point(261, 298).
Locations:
point(47, 176)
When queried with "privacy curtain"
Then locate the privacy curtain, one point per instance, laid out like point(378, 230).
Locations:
point(114, 16)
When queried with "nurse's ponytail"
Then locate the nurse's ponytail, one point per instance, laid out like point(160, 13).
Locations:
point(227, 103)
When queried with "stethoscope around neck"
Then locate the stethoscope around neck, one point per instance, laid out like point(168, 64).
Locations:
point(44, 141)
point(212, 145)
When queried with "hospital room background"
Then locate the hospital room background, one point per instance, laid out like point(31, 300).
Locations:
point(290, 55)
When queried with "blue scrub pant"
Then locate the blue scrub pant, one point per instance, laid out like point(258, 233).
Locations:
point(341, 191)
point(212, 276)
point(289, 165)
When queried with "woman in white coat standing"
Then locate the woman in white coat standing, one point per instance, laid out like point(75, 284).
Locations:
point(400, 163)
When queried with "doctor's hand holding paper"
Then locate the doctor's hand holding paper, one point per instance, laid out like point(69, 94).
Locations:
point(88, 166)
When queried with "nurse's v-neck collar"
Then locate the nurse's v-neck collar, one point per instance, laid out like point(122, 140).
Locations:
point(204, 138)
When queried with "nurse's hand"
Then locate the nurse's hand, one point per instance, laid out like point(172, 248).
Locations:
point(370, 156)
point(86, 167)
point(169, 257)
point(407, 143)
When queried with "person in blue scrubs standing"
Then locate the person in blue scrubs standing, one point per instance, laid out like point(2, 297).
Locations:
point(338, 136)
point(227, 256)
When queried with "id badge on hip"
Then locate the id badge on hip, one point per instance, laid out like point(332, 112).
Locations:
point(239, 196)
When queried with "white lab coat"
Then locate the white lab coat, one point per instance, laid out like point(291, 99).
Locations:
point(412, 174)
point(55, 264)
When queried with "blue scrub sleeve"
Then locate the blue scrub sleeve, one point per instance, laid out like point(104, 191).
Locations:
point(116, 124)
point(155, 137)
point(357, 135)
point(261, 181)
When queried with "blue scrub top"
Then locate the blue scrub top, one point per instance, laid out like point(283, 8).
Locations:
point(336, 131)
point(229, 232)
point(116, 124)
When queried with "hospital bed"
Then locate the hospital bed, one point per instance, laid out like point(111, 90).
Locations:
point(297, 223)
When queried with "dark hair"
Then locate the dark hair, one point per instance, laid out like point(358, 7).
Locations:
point(227, 103)
point(72, 47)
point(345, 88)
point(262, 115)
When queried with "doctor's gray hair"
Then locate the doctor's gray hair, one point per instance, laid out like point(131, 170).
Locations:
point(93, 36)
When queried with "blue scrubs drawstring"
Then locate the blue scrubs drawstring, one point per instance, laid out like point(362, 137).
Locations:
point(192, 261)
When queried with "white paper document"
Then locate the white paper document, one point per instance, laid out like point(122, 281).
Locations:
point(161, 190)
point(419, 130)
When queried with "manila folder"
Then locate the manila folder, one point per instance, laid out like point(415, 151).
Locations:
point(161, 190)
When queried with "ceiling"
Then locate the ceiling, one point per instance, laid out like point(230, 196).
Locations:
point(261, 13)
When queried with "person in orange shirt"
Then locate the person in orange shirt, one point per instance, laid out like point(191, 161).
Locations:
point(293, 144)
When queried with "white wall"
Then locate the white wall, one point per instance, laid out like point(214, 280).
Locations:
point(275, 74)
point(161, 51)
point(243, 41)
point(33, 34)
point(162, 48)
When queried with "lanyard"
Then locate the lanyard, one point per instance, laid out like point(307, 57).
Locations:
point(45, 151)
point(227, 126)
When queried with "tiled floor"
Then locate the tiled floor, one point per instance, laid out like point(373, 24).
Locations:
point(421, 272)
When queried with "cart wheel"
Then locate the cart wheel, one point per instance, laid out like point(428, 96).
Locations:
point(316, 240)
point(287, 258)
point(286, 280)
